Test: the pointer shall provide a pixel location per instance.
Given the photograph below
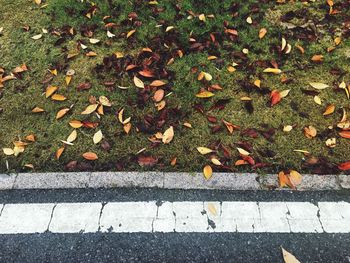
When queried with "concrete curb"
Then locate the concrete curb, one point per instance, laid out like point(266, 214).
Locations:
point(219, 181)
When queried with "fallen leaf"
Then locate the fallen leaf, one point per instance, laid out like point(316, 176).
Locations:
point(204, 94)
point(158, 95)
point(50, 90)
point(344, 166)
point(168, 135)
point(8, 151)
point(58, 97)
point(98, 136)
point(59, 152)
point(90, 109)
point(90, 156)
point(318, 85)
point(207, 172)
point(272, 70)
point(204, 150)
point(139, 83)
point(75, 124)
point(262, 33)
point(345, 134)
point(310, 132)
point(288, 257)
point(61, 113)
point(275, 97)
point(72, 137)
point(329, 110)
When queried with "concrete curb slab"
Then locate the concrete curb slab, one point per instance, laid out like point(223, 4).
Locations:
point(219, 181)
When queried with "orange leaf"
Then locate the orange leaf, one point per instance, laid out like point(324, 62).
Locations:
point(59, 152)
point(329, 110)
point(344, 166)
point(157, 83)
point(345, 134)
point(158, 95)
point(207, 171)
point(75, 124)
point(61, 113)
point(283, 180)
point(90, 156)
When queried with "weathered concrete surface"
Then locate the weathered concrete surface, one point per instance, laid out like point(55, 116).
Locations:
point(220, 181)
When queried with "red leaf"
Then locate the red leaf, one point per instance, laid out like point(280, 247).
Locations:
point(275, 97)
point(344, 166)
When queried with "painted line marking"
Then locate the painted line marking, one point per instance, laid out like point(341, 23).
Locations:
point(146, 217)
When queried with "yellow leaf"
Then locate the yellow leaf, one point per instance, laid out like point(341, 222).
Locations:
point(105, 101)
point(94, 40)
point(216, 161)
point(139, 83)
point(284, 93)
point(36, 37)
point(58, 97)
point(317, 100)
point(72, 137)
point(204, 150)
point(97, 137)
point(205, 94)
point(90, 109)
point(257, 83)
point(8, 151)
point(68, 79)
point(130, 33)
point(295, 177)
point(243, 152)
point(61, 113)
point(288, 257)
point(318, 85)
point(50, 90)
point(38, 2)
point(207, 172)
point(273, 70)
point(168, 135)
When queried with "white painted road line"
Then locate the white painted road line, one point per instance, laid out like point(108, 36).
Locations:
point(146, 217)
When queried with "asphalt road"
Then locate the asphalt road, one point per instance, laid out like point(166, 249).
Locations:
point(170, 247)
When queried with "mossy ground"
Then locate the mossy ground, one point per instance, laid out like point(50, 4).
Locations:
point(21, 95)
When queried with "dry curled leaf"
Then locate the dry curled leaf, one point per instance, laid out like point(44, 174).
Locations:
point(168, 135)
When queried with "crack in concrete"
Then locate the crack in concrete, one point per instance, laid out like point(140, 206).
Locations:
point(48, 226)
point(99, 218)
point(2, 208)
point(288, 214)
point(319, 218)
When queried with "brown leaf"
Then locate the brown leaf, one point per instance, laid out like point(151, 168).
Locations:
point(147, 160)
point(84, 86)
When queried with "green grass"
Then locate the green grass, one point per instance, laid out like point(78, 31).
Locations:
point(20, 96)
